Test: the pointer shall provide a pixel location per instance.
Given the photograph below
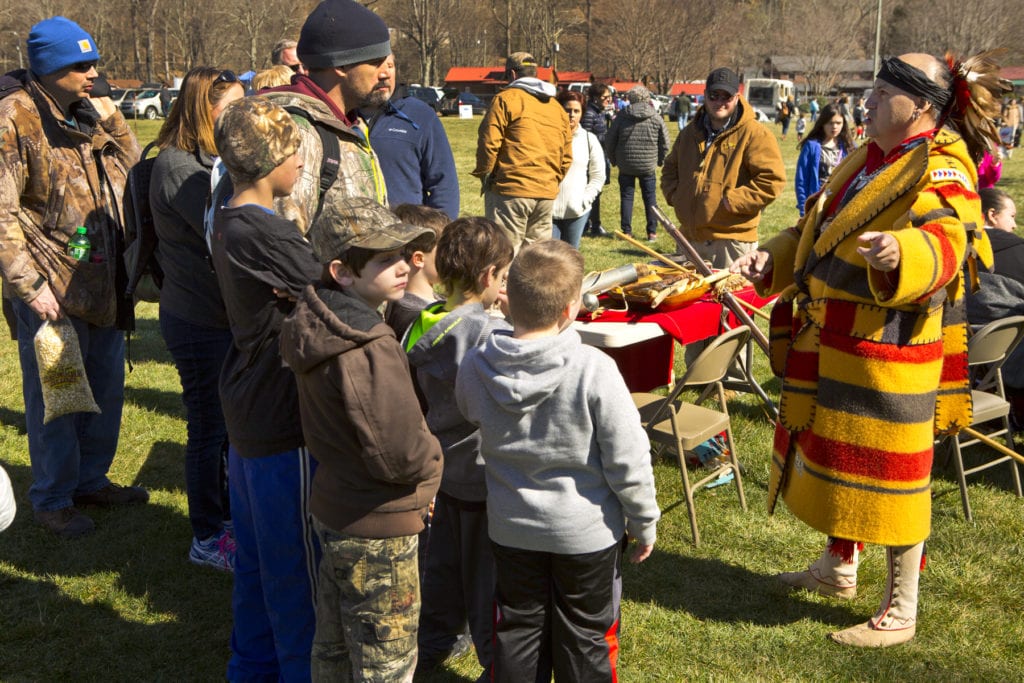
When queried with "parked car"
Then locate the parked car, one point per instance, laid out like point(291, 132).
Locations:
point(117, 95)
point(661, 103)
point(143, 103)
point(427, 95)
point(450, 105)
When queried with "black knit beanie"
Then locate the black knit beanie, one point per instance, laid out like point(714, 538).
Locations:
point(342, 32)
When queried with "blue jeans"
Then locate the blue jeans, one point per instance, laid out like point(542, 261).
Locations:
point(569, 229)
point(198, 353)
point(648, 187)
point(71, 454)
point(275, 567)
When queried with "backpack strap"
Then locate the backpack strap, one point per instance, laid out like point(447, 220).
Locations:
point(330, 164)
point(11, 82)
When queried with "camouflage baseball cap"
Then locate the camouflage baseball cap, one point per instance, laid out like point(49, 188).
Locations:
point(358, 222)
point(517, 60)
point(253, 137)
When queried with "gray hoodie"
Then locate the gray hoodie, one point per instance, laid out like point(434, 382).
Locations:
point(568, 465)
point(436, 356)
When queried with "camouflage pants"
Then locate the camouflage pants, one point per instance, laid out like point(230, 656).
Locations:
point(368, 607)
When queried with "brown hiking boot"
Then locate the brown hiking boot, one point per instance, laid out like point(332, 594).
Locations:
point(67, 522)
point(113, 495)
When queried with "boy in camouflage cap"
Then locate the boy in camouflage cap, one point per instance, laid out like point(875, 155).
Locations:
point(261, 259)
point(254, 136)
point(379, 465)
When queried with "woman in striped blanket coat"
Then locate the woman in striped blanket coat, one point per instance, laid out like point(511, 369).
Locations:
point(869, 335)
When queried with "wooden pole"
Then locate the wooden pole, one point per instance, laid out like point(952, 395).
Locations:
point(992, 443)
point(727, 298)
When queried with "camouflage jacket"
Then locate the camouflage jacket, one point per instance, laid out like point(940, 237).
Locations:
point(359, 174)
point(54, 178)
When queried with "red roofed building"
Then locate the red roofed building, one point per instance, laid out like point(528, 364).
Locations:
point(486, 81)
point(691, 89)
point(1014, 74)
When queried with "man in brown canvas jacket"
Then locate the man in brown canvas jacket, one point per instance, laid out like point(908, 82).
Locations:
point(64, 156)
point(524, 151)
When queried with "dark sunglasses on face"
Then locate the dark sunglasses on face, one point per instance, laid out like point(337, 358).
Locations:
point(718, 96)
point(226, 76)
point(83, 67)
point(294, 67)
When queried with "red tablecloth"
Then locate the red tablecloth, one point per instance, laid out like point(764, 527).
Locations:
point(649, 364)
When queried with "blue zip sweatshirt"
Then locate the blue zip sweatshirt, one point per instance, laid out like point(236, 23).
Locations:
point(415, 156)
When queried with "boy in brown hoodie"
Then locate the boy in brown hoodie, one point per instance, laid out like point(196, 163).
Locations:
point(379, 465)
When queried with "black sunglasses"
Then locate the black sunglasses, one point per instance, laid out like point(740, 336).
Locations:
point(226, 76)
point(294, 67)
point(82, 67)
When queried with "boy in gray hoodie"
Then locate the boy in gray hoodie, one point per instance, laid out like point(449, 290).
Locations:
point(568, 474)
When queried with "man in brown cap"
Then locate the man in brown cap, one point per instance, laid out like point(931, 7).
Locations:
point(524, 151)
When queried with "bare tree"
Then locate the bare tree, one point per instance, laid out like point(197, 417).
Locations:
point(428, 24)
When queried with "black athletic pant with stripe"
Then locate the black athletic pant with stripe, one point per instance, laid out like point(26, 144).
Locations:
point(556, 614)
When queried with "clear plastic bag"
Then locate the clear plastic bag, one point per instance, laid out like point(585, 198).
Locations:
point(61, 371)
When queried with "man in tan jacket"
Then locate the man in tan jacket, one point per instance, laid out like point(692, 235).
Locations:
point(723, 170)
point(524, 151)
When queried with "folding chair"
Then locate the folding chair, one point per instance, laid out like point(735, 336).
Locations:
point(671, 422)
point(987, 350)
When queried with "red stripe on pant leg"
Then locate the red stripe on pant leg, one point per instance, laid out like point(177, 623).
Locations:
point(611, 637)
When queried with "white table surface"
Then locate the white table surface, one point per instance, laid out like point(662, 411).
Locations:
point(616, 335)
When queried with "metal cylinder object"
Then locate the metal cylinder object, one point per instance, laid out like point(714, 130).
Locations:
point(596, 283)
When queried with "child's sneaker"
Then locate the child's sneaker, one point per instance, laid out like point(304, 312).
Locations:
point(217, 552)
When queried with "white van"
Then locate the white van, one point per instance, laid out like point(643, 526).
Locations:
point(766, 94)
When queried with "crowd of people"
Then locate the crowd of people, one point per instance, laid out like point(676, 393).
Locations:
point(395, 441)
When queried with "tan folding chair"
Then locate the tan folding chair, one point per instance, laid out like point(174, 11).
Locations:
point(987, 350)
point(671, 422)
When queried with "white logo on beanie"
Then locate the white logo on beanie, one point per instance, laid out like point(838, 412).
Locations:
point(84, 46)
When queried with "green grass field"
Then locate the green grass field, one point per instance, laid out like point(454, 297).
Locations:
point(125, 604)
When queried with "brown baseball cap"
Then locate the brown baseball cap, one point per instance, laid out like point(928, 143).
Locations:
point(358, 222)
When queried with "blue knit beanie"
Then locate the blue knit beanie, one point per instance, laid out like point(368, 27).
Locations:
point(342, 32)
point(57, 42)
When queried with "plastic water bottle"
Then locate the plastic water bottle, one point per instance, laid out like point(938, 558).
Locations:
point(79, 246)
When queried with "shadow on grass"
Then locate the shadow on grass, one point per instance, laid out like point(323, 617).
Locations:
point(157, 400)
point(710, 589)
point(84, 609)
point(147, 343)
point(164, 467)
point(13, 418)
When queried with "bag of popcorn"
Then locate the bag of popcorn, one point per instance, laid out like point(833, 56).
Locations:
point(61, 371)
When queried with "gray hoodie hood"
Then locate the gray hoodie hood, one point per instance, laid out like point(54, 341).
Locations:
point(536, 87)
point(526, 373)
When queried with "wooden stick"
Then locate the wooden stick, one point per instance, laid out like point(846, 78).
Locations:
point(752, 308)
point(727, 298)
point(650, 252)
point(992, 443)
point(709, 279)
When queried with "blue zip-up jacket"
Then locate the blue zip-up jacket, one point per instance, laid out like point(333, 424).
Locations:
point(415, 156)
point(808, 177)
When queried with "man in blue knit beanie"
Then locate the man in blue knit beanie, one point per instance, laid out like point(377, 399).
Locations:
point(64, 155)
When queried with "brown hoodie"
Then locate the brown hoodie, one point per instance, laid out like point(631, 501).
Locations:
point(379, 465)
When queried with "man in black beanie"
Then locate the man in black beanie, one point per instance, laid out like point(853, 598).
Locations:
point(346, 50)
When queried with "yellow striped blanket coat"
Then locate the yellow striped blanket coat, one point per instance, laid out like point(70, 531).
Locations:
point(875, 363)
